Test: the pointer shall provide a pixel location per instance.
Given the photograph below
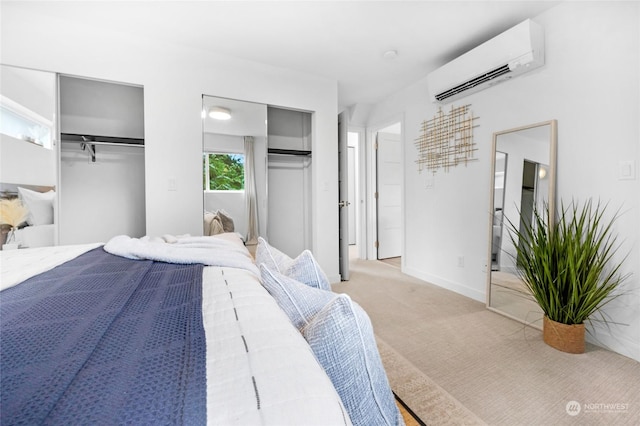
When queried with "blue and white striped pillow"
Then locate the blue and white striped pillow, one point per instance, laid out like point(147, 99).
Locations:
point(271, 256)
point(299, 301)
point(305, 269)
point(342, 339)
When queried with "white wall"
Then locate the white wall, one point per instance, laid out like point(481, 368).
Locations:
point(174, 80)
point(590, 84)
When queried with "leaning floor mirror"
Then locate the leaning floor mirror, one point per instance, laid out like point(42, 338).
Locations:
point(523, 174)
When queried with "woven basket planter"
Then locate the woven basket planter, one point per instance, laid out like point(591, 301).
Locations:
point(563, 337)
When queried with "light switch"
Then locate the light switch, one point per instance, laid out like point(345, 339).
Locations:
point(172, 185)
point(626, 170)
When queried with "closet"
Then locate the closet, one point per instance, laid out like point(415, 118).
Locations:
point(282, 151)
point(289, 168)
point(102, 164)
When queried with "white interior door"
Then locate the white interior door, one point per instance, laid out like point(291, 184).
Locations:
point(343, 194)
point(389, 190)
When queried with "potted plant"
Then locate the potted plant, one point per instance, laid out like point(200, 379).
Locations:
point(568, 267)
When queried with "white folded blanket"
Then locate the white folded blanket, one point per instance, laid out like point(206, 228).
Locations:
point(210, 251)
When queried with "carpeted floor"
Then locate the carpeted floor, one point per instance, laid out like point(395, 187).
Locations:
point(486, 367)
point(429, 402)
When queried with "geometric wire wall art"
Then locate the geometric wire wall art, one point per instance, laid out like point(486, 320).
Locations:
point(446, 140)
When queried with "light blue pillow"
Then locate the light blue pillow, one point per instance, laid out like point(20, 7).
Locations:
point(303, 268)
point(299, 301)
point(341, 337)
point(271, 256)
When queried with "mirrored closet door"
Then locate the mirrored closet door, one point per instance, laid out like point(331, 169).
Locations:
point(257, 172)
point(234, 146)
point(29, 155)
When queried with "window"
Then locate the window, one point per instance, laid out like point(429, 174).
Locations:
point(223, 172)
point(20, 122)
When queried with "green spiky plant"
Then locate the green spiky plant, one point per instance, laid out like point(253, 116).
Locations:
point(569, 266)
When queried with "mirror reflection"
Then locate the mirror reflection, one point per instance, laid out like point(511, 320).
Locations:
point(234, 167)
point(28, 158)
point(523, 180)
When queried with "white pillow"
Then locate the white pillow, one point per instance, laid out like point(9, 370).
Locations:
point(40, 205)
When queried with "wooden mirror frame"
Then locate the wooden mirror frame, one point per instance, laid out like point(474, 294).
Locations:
point(553, 126)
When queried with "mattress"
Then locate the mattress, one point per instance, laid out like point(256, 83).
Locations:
point(259, 369)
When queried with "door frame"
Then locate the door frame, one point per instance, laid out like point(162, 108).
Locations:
point(360, 202)
point(343, 196)
point(371, 184)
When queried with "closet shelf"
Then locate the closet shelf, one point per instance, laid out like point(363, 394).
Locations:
point(279, 151)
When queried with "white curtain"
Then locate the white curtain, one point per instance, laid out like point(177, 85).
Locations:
point(251, 204)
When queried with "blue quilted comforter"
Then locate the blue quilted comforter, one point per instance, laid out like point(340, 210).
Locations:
point(104, 340)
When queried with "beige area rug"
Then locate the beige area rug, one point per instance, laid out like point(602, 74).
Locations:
point(432, 404)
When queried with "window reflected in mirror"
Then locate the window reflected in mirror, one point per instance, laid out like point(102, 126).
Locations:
point(223, 172)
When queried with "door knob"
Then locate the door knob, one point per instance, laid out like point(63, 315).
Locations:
point(343, 203)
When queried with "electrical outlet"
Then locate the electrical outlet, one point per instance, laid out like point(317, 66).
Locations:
point(429, 182)
point(460, 261)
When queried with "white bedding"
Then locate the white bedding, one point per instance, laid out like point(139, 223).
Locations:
point(36, 235)
point(211, 250)
point(19, 265)
point(260, 370)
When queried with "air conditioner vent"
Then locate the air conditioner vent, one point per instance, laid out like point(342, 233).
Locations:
point(474, 82)
point(514, 52)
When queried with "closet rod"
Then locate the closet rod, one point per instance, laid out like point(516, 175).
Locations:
point(136, 145)
point(74, 137)
point(279, 151)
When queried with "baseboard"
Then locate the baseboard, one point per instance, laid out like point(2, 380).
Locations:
point(334, 279)
point(449, 285)
point(612, 339)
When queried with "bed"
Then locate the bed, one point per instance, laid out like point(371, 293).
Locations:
point(95, 334)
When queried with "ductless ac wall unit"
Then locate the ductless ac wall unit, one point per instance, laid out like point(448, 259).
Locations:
point(512, 53)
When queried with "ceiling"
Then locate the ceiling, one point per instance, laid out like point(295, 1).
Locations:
point(339, 40)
